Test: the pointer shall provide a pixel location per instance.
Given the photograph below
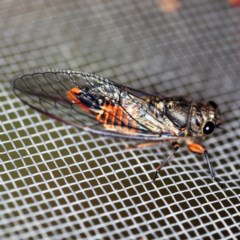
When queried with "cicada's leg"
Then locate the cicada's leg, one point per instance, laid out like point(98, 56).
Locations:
point(143, 145)
point(197, 148)
point(175, 148)
point(148, 144)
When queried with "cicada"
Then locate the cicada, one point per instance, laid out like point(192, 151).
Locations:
point(99, 105)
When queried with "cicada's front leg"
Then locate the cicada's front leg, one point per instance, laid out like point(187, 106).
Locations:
point(197, 148)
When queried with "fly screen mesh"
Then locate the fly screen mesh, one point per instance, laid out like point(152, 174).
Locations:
point(59, 182)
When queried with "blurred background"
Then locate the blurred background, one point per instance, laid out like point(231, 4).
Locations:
point(58, 182)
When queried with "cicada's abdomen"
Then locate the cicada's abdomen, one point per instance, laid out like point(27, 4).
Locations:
point(109, 113)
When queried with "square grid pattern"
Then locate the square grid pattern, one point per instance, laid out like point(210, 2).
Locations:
point(58, 182)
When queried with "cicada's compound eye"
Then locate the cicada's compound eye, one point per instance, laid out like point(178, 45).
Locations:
point(208, 127)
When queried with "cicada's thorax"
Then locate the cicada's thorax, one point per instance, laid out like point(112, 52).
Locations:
point(185, 117)
point(173, 112)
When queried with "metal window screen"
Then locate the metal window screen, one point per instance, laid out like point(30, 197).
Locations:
point(61, 183)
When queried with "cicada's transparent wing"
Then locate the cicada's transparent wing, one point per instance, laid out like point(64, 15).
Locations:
point(48, 92)
point(45, 91)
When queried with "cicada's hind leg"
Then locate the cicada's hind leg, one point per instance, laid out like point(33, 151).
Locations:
point(175, 148)
point(197, 148)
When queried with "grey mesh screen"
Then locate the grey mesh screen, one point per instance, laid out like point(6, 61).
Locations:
point(58, 182)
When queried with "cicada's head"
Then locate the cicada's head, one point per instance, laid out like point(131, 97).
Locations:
point(205, 119)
